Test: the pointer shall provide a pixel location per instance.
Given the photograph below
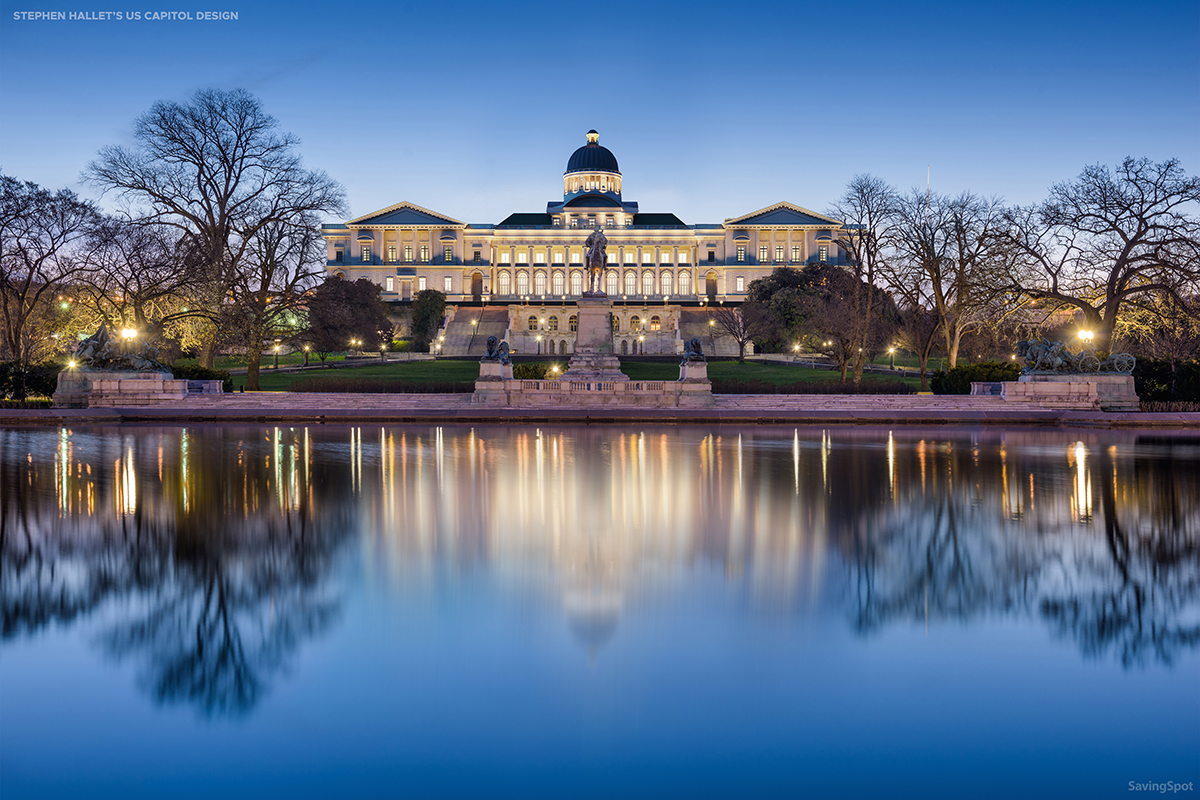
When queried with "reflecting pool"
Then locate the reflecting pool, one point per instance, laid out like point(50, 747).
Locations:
point(440, 611)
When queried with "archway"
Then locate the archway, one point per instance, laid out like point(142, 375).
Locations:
point(477, 287)
point(710, 286)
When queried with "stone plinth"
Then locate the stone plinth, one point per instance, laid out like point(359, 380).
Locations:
point(593, 359)
point(491, 383)
point(1076, 391)
point(565, 393)
point(694, 372)
point(97, 389)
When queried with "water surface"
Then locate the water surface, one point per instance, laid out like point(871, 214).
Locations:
point(597, 611)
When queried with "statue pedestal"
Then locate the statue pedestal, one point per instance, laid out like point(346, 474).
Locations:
point(1103, 392)
point(98, 389)
point(694, 372)
point(490, 386)
point(593, 359)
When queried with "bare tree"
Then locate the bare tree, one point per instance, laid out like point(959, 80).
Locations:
point(1106, 241)
point(219, 171)
point(39, 234)
point(741, 323)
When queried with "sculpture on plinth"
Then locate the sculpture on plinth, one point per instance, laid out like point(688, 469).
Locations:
point(597, 259)
point(100, 352)
point(497, 351)
point(692, 351)
point(1043, 357)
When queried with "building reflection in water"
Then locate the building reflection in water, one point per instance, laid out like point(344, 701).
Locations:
point(218, 544)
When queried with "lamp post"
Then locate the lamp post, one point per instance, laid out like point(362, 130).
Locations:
point(276, 356)
point(539, 342)
point(1086, 337)
point(306, 355)
point(892, 353)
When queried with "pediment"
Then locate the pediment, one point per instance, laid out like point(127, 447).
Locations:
point(407, 214)
point(782, 215)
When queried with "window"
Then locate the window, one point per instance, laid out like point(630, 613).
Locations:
point(424, 254)
point(630, 257)
point(630, 282)
point(552, 325)
point(591, 223)
point(421, 284)
point(648, 256)
point(609, 222)
point(712, 256)
point(389, 284)
point(539, 282)
point(741, 253)
point(448, 283)
point(558, 283)
point(685, 255)
point(629, 222)
point(366, 255)
point(576, 256)
point(392, 253)
point(558, 222)
point(779, 252)
point(635, 323)
point(558, 257)
point(665, 283)
point(655, 323)
point(539, 256)
point(576, 282)
point(664, 257)
point(612, 258)
point(685, 282)
point(447, 255)
point(616, 324)
point(339, 255)
point(823, 253)
point(522, 256)
point(574, 222)
point(573, 323)
point(647, 282)
point(504, 283)
point(762, 254)
point(532, 323)
point(504, 258)
point(522, 282)
point(611, 283)
point(476, 257)
point(795, 253)
point(741, 284)
point(407, 253)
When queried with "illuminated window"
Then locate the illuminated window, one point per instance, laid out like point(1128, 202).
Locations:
point(741, 284)
point(823, 253)
point(655, 323)
point(390, 284)
point(533, 323)
point(612, 258)
point(664, 257)
point(558, 283)
point(762, 254)
point(552, 324)
point(635, 323)
point(539, 282)
point(558, 257)
point(407, 253)
point(779, 252)
point(616, 324)
point(558, 222)
point(447, 284)
point(629, 222)
point(477, 258)
point(665, 282)
point(795, 253)
point(366, 255)
point(685, 255)
point(424, 254)
point(421, 284)
point(577, 282)
point(574, 222)
point(448, 255)
point(609, 222)
point(647, 282)
point(741, 252)
point(504, 283)
point(630, 257)
point(391, 252)
point(611, 282)
point(630, 282)
point(522, 282)
point(539, 256)
point(685, 282)
point(647, 256)
point(573, 323)
point(504, 258)
point(522, 256)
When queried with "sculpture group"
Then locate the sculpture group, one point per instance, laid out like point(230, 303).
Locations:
point(1040, 356)
point(102, 352)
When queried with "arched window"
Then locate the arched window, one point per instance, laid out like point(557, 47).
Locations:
point(685, 282)
point(562, 347)
point(635, 323)
point(522, 282)
point(550, 347)
point(576, 282)
point(630, 282)
point(533, 323)
point(664, 283)
point(624, 347)
point(616, 324)
point(558, 283)
point(655, 323)
point(503, 282)
point(539, 282)
point(611, 283)
point(573, 323)
point(647, 282)
point(552, 324)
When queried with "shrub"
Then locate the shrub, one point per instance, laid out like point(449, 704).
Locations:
point(195, 372)
point(959, 379)
point(1156, 381)
point(1172, 406)
point(534, 371)
point(40, 379)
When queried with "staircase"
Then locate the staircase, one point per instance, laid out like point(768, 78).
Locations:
point(465, 339)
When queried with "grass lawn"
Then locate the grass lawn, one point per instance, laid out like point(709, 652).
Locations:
point(467, 371)
point(268, 360)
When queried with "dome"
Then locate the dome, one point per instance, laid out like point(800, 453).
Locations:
point(592, 157)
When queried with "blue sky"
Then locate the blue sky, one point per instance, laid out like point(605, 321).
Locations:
point(712, 109)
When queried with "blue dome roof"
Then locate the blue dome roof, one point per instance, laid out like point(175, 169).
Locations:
point(592, 157)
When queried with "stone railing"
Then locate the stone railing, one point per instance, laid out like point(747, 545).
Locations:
point(661, 394)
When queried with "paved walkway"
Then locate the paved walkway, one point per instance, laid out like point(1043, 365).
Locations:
point(260, 407)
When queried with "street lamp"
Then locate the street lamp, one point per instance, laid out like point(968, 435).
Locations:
point(1086, 337)
point(306, 355)
point(892, 353)
point(539, 341)
point(276, 356)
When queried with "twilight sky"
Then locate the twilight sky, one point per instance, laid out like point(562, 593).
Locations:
point(712, 109)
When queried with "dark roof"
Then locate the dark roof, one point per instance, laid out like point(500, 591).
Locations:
point(591, 200)
point(525, 220)
point(657, 221)
point(592, 157)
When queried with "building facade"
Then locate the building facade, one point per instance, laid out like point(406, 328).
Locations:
point(532, 264)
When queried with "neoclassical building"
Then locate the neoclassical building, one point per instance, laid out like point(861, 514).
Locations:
point(519, 277)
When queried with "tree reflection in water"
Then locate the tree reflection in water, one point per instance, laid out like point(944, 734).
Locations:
point(211, 549)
